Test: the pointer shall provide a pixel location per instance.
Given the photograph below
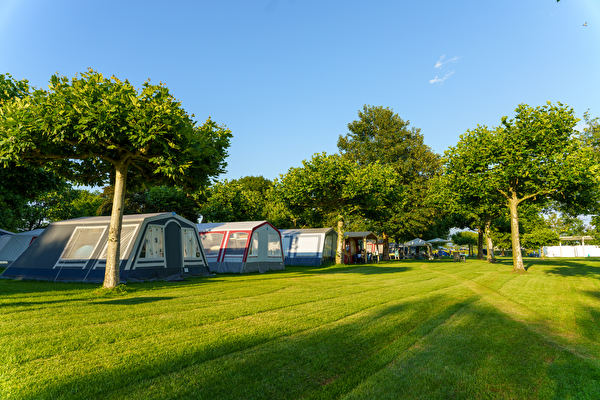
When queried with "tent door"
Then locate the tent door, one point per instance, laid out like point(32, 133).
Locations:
point(173, 247)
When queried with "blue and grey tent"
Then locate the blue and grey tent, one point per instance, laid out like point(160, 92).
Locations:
point(310, 247)
point(153, 246)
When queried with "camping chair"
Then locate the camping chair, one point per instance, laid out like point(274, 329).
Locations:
point(456, 256)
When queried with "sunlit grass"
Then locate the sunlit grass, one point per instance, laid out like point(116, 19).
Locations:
point(406, 329)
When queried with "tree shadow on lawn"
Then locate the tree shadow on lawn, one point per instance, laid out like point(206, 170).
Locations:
point(568, 267)
point(133, 300)
point(436, 348)
point(36, 288)
point(364, 269)
point(589, 319)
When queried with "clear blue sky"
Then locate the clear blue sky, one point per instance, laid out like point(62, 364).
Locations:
point(287, 76)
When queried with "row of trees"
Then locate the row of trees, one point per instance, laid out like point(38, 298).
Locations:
point(101, 131)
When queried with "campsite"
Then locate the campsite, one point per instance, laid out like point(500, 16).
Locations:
point(299, 200)
point(403, 329)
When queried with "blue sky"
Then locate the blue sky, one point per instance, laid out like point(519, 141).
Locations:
point(287, 76)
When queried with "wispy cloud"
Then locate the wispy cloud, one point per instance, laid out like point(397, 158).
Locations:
point(441, 61)
point(441, 80)
point(439, 64)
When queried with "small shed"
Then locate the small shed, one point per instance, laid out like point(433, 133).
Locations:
point(357, 246)
point(12, 246)
point(153, 246)
point(310, 247)
point(240, 247)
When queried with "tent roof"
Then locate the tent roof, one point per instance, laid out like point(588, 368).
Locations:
point(35, 232)
point(437, 240)
point(366, 235)
point(307, 230)
point(416, 242)
point(4, 232)
point(228, 226)
point(106, 219)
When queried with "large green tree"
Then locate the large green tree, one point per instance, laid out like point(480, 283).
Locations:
point(236, 200)
point(380, 135)
point(95, 130)
point(536, 157)
point(20, 186)
point(154, 199)
point(59, 205)
point(331, 184)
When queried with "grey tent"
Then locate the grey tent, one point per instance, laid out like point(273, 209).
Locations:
point(418, 242)
point(153, 246)
point(5, 232)
point(311, 247)
point(14, 245)
point(241, 247)
point(4, 238)
point(437, 241)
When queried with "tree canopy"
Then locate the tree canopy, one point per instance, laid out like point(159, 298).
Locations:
point(331, 184)
point(536, 157)
point(380, 135)
point(95, 130)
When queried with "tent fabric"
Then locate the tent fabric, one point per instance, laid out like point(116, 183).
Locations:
point(153, 246)
point(437, 241)
point(5, 232)
point(309, 247)
point(416, 243)
point(242, 247)
point(16, 244)
point(3, 240)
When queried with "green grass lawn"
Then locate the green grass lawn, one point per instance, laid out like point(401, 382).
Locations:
point(405, 329)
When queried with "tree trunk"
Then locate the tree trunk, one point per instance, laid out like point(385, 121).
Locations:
point(386, 247)
point(113, 257)
point(514, 234)
point(340, 244)
point(491, 258)
point(480, 243)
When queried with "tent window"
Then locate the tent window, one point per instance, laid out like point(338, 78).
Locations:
point(254, 245)
point(127, 235)
point(274, 248)
point(153, 243)
point(191, 249)
point(211, 242)
point(328, 251)
point(236, 245)
point(82, 243)
point(308, 246)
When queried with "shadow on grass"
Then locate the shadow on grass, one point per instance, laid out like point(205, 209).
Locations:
point(570, 267)
point(589, 320)
point(436, 348)
point(133, 300)
point(44, 288)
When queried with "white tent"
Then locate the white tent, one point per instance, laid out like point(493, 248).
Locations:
point(241, 247)
point(309, 247)
point(16, 244)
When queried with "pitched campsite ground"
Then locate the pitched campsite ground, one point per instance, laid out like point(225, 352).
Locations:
point(406, 329)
